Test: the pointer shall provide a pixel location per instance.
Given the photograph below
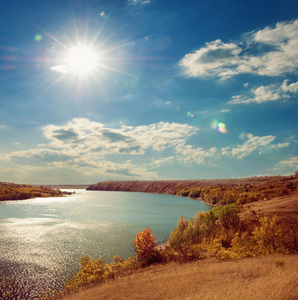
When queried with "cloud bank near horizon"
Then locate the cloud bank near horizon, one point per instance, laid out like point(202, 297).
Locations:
point(128, 152)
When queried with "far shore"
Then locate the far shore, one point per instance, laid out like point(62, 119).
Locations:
point(68, 186)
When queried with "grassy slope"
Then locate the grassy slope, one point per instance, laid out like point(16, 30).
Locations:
point(285, 209)
point(250, 278)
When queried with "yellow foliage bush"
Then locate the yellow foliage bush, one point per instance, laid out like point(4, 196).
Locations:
point(269, 237)
point(145, 244)
point(91, 272)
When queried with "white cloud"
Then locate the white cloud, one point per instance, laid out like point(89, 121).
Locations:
point(291, 162)
point(189, 154)
point(254, 144)
point(280, 34)
point(227, 60)
point(288, 164)
point(138, 2)
point(292, 88)
point(259, 95)
point(217, 58)
point(60, 69)
point(4, 127)
point(80, 134)
point(267, 93)
point(280, 145)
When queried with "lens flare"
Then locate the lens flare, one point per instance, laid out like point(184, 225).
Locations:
point(243, 136)
point(134, 81)
point(178, 108)
point(38, 37)
point(219, 126)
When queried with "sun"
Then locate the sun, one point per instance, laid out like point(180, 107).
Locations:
point(82, 59)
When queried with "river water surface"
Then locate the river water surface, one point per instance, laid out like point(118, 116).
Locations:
point(42, 239)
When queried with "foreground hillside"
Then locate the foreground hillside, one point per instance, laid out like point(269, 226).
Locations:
point(271, 277)
point(215, 192)
point(228, 252)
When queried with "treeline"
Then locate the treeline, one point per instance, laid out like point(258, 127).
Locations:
point(13, 191)
point(220, 232)
point(221, 194)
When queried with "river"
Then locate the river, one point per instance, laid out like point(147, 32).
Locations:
point(42, 239)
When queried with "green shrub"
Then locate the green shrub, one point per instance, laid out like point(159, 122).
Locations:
point(227, 215)
point(176, 237)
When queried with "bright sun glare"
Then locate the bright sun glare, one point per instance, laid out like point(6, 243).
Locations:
point(82, 59)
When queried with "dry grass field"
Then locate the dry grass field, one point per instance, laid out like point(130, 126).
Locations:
point(272, 277)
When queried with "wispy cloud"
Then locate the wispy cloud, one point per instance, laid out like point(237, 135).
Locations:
point(60, 69)
point(262, 93)
point(138, 2)
point(4, 127)
point(290, 163)
point(253, 144)
point(277, 54)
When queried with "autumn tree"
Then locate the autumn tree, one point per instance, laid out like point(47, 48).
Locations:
point(145, 244)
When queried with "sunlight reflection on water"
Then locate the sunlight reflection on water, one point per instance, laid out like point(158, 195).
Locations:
point(43, 239)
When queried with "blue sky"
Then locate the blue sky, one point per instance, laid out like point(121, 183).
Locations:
point(147, 89)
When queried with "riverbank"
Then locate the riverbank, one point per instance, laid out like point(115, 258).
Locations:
point(201, 199)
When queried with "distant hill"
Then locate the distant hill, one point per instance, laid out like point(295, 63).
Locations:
point(215, 192)
point(69, 186)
